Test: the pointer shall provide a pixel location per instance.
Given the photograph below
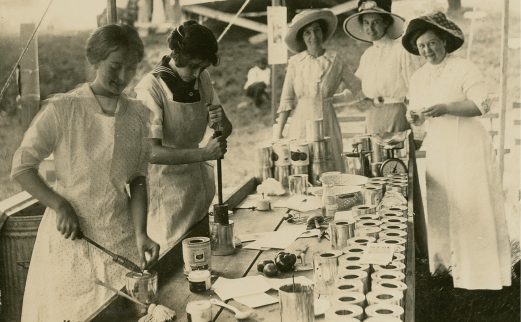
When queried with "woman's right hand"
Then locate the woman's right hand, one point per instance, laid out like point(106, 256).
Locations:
point(415, 118)
point(67, 220)
point(215, 148)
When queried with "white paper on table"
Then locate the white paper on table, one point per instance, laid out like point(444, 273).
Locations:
point(252, 236)
point(276, 283)
point(300, 203)
point(257, 300)
point(280, 239)
point(227, 288)
point(377, 253)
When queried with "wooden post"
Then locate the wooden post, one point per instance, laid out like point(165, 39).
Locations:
point(29, 75)
point(274, 79)
point(112, 13)
point(503, 93)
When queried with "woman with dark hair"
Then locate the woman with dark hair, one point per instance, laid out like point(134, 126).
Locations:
point(98, 138)
point(183, 103)
point(312, 77)
point(467, 230)
point(385, 67)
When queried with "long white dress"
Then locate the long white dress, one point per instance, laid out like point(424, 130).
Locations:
point(95, 155)
point(467, 230)
point(308, 91)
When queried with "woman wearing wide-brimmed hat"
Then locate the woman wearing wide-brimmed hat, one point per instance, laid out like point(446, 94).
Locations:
point(385, 67)
point(467, 230)
point(312, 77)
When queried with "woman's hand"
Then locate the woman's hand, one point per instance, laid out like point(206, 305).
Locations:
point(215, 148)
point(67, 220)
point(146, 246)
point(414, 118)
point(215, 116)
point(435, 110)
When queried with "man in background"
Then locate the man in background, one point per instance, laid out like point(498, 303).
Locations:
point(258, 82)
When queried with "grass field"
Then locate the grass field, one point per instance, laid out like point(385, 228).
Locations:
point(62, 67)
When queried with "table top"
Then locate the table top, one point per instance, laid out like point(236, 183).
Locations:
point(174, 289)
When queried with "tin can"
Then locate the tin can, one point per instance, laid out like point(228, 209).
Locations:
point(299, 153)
point(372, 194)
point(199, 281)
point(143, 287)
point(300, 169)
point(317, 169)
point(400, 208)
point(363, 210)
point(264, 155)
point(378, 152)
point(281, 174)
point(265, 173)
point(364, 142)
point(375, 168)
point(199, 311)
point(196, 254)
point(319, 150)
point(281, 153)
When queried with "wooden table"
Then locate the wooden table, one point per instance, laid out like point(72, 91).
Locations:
point(173, 285)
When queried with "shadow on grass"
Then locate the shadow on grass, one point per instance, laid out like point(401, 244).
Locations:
point(438, 301)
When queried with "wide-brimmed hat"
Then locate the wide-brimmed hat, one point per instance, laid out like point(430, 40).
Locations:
point(437, 20)
point(353, 27)
point(304, 18)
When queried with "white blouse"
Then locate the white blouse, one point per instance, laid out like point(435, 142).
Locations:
point(385, 69)
point(455, 78)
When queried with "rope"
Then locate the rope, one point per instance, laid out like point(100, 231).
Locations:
point(8, 82)
point(233, 20)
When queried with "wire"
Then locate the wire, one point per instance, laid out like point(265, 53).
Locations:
point(233, 20)
point(8, 82)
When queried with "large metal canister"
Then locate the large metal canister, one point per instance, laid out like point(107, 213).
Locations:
point(319, 150)
point(315, 130)
point(281, 153)
point(281, 174)
point(353, 163)
point(318, 167)
point(264, 155)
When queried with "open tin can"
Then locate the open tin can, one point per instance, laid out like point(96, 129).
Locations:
point(143, 287)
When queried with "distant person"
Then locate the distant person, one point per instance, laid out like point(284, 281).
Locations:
point(183, 105)
point(313, 76)
point(258, 81)
point(385, 67)
point(467, 228)
point(98, 138)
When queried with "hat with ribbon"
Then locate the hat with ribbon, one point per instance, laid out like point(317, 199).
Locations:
point(354, 29)
point(304, 18)
point(437, 20)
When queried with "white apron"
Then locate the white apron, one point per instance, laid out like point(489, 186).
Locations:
point(180, 195)
point(95, 156)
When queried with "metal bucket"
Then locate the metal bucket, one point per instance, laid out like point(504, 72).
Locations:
point(16, 247)
point(353, 163)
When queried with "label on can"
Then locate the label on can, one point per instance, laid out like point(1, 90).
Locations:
point(199, 311)
point(299, 153)
point(281, 153)
point(196, 253)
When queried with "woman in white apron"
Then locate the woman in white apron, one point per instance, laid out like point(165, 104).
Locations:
point(183, 103)
point(98, 138)
point(312, 77)
point(467, 229)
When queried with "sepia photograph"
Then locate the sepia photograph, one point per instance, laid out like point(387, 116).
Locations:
point(260, 160)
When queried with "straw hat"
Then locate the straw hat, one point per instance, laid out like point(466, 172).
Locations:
point(437, 20)
point(304, 18)
point(353, 28)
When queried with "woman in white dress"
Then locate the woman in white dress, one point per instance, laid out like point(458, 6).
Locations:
point(98, 138)
point(385, 67)
point(467, 230)
point(312, 77)
point(183, 104)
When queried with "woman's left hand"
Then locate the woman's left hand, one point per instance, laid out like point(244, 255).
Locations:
point(215, 113)
point(145, 245)
point(436, 110)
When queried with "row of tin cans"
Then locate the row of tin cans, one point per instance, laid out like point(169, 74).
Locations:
point(296, 152)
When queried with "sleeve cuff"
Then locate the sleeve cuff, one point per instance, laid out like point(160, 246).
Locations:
point(155, 132)
point(285, 106)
